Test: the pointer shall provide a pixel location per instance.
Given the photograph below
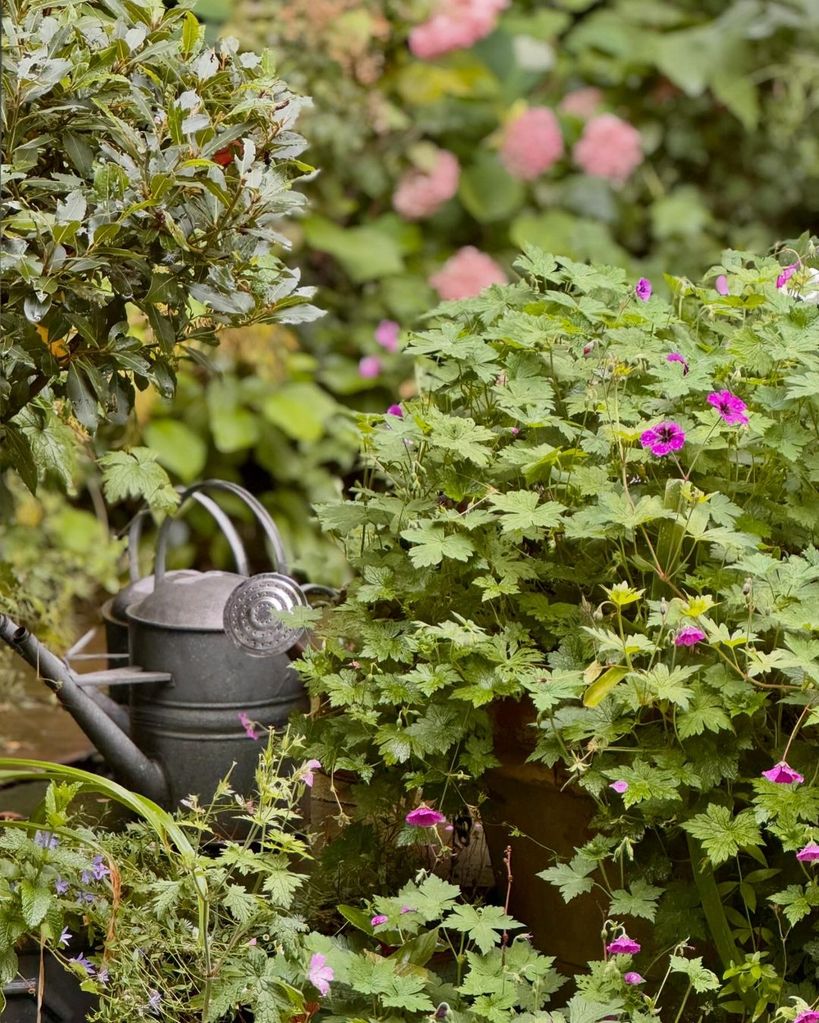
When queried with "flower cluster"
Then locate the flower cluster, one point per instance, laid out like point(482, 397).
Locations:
point(532, 142)
point(466, 274)
point(421, 192)
point(457, 25)
point(609, 148)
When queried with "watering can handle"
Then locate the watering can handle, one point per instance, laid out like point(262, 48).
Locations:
point(222, 521)
point(260, 512)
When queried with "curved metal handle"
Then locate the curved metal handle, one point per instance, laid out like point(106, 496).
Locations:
point(237, 548)
point(261, 514)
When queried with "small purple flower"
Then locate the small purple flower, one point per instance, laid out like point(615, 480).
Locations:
point(721, 284)
point(514, 430)
point(810, 853)
point(320, 974)
point(378, 919)
point(642, 289)
point(64, 937)
point(87, 897)
point(99, 868)
point(395, 410)
point(689, 635)
point(620, 786)
point(386, 334)
point(624, 945)
point(424, 817)
point(154, 1001)
point(247, 724)
point(60, 886)
point(730, 407)
point(663, 438)
point(87, 876)
point(786, 275)
point(632, 977)
point(369, 367)
point(103, 975)
point(46, 840)
point(85, 963)
point(676, 357)
point(783, 774)
point(307, 775)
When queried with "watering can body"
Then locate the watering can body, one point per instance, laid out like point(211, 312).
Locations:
point(204, 649)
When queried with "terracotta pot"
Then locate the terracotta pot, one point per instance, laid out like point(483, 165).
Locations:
point(530, 799)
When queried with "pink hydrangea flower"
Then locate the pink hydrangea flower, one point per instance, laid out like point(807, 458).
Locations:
point(395, 410)
point(420, 193)
point(424, 817)
point(307, 775)
point(642, 289)
point(466, 274)
point(721, 284)
point(676, 357)
point(369, 367)
point(582, 103)
point(730, 407)
point(531, 143)
point(457, 25)
point(786, 275)
point(807, 1016)
point(621, 786)
point(632, 977)
point(247, 724)
point(689, 635)
point(320, 974)
point(810, 853)
point(386, 335)
point(663, 438)
point(624, 945)
point(379, 919)
point(609, 148)
point(783, 774)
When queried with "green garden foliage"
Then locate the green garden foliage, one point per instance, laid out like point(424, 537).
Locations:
point(605, 504)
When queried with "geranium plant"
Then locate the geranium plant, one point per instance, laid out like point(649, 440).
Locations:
point(604, 502)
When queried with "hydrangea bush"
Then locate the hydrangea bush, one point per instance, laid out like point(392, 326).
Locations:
point(603, 502)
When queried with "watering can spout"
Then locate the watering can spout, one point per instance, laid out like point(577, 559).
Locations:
point(96, 719)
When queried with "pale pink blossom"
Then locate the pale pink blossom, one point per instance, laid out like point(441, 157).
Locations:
point(320, 974)
point(386, 335)
point(369, 367)
point(420, 193)
point(532, 142)
point(456, 25)
point(582, 103)
point(308, 772)
point(620, 786)
point(609, 148)
point(466, 274)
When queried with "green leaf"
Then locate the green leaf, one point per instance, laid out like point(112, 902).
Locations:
point(22, 459)
point(573, 878)
point(601, 687)
point(702, 979)
point(523, 513)
point(433, 545)
point(482, 925)
point(364, 252)
point(640, 900)
point(798, 901)
point(177, 447)
point(35, 902)
point(301, 410)
point(136, 473)
point(722, 835)
point(488, 191)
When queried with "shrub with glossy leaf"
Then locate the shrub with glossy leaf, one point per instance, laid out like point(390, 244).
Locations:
point(608, 506)
point(142, 170)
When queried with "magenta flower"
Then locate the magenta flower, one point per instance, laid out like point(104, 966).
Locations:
point(621, 786)
point(320, 974)
point(424, 817)
point(663, 438)
point(247, 724)
point(676, 357)
point(808, 1016)
point(642, 289)
point(624, 945)
point(307, 775)
point(721, 284)
point(689, 635)
point(786, 275)
point(810, 854)
point(379, 919)
point(730, 407)
point(395, 410)
point(369, 367)
point(632, 977)
point(386, 335)
point(783, 774)
point(65, 937)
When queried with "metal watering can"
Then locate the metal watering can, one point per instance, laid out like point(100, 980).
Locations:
point(202, 648)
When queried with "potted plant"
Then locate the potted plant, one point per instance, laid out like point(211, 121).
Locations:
point(602, 503)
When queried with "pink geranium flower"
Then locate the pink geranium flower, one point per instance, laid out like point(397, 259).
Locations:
point(320, 974)
point(730, 407)
point(663, 438)
point(307, 775)
point(783, 774)
point(810, 853)
point(531, 143)
point(619, 786)
point(632, 977)
point(466, 274)
point(247, 724)
point(609, 148)
point(642, 289)
point(369, 367)
point(386, 335)
point(786, 275)
point(379, 919)
point(689, 635)
point(676, 357)
point(624, 945)
point(721, 284)
point(395, 410)
point(420, 193)
point(456, 25)
point(424, 817)
point(807, 1016)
